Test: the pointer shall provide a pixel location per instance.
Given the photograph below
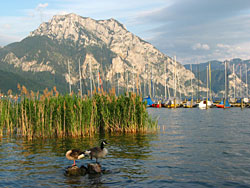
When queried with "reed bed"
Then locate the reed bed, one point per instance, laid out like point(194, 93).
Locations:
point(53, 115)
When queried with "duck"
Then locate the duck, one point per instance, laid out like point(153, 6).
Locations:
point(74, 155)
point(97, 152)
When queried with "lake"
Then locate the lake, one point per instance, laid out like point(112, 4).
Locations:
point(193, 148)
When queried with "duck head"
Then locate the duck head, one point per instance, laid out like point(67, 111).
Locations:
point(104, 142)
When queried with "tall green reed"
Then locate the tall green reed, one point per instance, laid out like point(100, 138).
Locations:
point(53, 115)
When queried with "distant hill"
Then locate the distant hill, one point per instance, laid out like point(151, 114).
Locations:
point(9, 80)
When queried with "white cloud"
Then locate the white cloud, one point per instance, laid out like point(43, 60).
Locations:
point(6, 26)
point(199, 46)
point(223, 46)
point(240, 50)
point(40, 6)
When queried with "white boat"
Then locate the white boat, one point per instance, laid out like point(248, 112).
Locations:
point(245, 100)
point(202, 104)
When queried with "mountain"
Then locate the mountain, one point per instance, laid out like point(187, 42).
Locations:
point(51, 55)
point(236, 79)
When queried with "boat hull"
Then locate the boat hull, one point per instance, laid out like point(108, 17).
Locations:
point(202, 104)
point(221, 106)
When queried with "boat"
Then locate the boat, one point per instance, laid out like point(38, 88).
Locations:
point(224, 103)
point(190, 104)
point(245, 100)
point(172, 103)
point(221, 104)
point(157, 104)
point(204, 104)
point(148, 100)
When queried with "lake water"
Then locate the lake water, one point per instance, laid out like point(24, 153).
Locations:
point(193, 148)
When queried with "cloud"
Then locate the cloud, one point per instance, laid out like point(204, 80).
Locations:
point(199, 46)
point(40, 6)
point(184, 23)
point(223, 46)
point(6, 26)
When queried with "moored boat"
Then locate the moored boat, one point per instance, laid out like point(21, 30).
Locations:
point(157, 104)
point(149, 101)
point(205, 104)
point(173, 103)
point(190, 104)
point(222, 105)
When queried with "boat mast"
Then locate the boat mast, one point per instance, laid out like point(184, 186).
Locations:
point(152, 81)
point(165, 80)
point(175, 77)
point(90, 77)
point(100, 88)
point(169, 95)
point(225, 80)
point(246, 82)
point(127, 81)
point(179, 85)
point(144, 82)
point(137, 83)
point(69, 78)
point(117, 83)
point(80, 78)
point(234, 76)
point(198, 72)
point(191, 83)
point(240, 84)
point(149, 81)
point(207, 82)
point(98, 80)
point(210, 82)
point(133, 80)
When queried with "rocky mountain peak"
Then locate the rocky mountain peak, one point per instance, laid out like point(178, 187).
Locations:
point(75, 28)
point(72, 41)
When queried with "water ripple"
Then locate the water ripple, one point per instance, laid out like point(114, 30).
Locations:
point(194, 149)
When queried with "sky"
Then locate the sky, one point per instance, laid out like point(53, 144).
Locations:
point(194, 31)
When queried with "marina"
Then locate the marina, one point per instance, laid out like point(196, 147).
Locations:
point(202, 104)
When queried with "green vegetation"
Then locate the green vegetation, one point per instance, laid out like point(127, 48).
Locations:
point(53, 115)
point(53, 53)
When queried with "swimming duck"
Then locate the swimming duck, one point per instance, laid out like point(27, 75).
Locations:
point(74, 154)
point(97, 152)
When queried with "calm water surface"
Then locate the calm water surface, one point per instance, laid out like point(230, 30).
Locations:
point(193, 148)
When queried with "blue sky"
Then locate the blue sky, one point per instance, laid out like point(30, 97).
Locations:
point(193, 30)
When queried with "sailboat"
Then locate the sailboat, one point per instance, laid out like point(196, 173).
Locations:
point(190, 103)
point(245, 99)
point(174, 102)
point(149, 101)
point(224, 103)
point(204, 104)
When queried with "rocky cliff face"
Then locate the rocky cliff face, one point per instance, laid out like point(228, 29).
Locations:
point(107, 47)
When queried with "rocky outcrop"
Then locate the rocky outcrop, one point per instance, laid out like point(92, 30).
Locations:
point(26, 65)
point(90, 169)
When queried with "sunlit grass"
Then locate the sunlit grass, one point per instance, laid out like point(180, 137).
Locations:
point(53, 115)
